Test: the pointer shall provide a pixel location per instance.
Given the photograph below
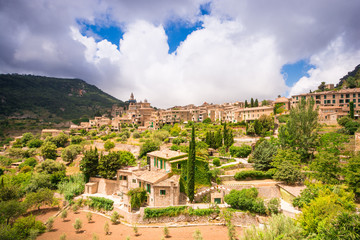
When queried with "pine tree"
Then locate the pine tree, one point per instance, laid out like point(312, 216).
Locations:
point(256, 104)
point(191, 167)
point(252, 102)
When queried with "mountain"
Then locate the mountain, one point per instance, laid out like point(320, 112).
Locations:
point(350, 80)
point(51, 99)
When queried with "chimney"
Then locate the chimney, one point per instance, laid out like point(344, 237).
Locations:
point(139, 164)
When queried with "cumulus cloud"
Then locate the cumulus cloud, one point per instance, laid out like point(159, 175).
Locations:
point(331, 64)
point(237, 54)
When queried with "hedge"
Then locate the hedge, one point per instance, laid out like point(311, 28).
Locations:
point(251, 175)
point(101, 203)
point(178, 210)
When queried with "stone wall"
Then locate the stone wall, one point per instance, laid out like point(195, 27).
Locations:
point(106, 186)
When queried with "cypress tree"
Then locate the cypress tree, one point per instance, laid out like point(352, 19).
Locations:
point(246, 104)
point(218, 139)
point(351, 113)
point(252, 102)
point(256, 104)
point(191, 167)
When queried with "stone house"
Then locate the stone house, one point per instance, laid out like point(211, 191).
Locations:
point(161, 184)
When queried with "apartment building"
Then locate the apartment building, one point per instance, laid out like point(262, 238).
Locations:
point(332, 104)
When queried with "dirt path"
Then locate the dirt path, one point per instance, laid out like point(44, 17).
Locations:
point(121, 231)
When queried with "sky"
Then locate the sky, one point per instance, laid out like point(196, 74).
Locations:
point(183, 51)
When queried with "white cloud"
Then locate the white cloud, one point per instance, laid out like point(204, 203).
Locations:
point(237, 55)
point(331, 64)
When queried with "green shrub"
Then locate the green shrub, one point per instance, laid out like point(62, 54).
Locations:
point(251, 175)
point(178, 210)
point(99, 203)
point(109, 145)
point(241, 152)
point(115, 217)
point(72, 187)
point(246, 200)
point(168, 211)
point(216, 162)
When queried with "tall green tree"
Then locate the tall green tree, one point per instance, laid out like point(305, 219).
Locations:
point(89, 163)
point(191, 167)
point(263, 155)
point(256, 104)
point(252, 102)
point(218, 138)
point(326, 167)
point(299, 132)
point(351, 112)
point(246, 104)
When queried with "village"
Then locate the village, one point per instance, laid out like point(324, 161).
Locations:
point(133, 169)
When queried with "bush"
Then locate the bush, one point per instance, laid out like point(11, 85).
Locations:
point(216, 162)
point(136, 134)
point(174, 211)
point(76, 139)
point(77, 225)
point(241, 152)
point(246, 200)
point(34, 143)
point(31, 162)
point(251, 175)
point(278, 227)
point(99, 203)
point(109, 145)
point(168, 211)
point(89, 216)
point(26, 226)
point(115, 217)
point(273, 207)
point(72, 187)
point(137, 197)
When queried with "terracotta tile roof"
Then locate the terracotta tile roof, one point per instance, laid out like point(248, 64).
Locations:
point(151, 176)
point(166, 154)
point(167, 182)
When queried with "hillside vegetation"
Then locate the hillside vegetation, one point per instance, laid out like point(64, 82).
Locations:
point(54, 99)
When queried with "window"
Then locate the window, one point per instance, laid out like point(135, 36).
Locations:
point(324, 101)
point(161, 163)
point(354, 100)
point(162, 192)
point(347, 95)
point(134, 180)
point(324, 96)
point(354, 95)
point(333, 101)
point(297, 98)
point(179, 166)
point(342, 95)
point(347, 100)
point(341, 101)
point(154, 161)
point(334, 96)
point(148, 188)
